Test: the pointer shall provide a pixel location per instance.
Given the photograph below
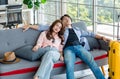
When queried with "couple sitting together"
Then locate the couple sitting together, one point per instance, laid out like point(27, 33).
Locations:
point(58, 40)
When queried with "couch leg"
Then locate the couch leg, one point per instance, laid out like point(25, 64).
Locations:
point(102, 67)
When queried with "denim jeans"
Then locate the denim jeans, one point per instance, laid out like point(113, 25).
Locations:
point(47, 63)
point(70, 54)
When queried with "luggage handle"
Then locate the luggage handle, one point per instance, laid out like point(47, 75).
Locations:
point(118, 29)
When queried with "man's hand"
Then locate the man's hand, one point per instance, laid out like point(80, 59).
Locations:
point(102, 38)
point(106, 39)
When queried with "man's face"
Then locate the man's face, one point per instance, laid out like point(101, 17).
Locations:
point(66, 21)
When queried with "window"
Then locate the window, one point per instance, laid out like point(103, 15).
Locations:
point(101, 16)
point(3, 2)
point(50, 11)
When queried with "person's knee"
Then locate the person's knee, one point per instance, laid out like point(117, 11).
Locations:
point(68, 62)
point(56, 56)
point(53, 55)
point(66, 50)
point(68, 57)
point(50, 53)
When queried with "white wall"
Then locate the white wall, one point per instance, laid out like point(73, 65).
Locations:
point(13, 2)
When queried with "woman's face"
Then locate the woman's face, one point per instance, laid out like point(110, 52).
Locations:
point(57, 27)
point(66, 21)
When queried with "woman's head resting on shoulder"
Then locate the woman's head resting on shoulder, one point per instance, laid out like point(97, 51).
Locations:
point(57, 28)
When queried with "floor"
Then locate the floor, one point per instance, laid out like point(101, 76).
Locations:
point(85, 74)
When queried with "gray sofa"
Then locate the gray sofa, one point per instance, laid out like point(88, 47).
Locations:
point(15, 38)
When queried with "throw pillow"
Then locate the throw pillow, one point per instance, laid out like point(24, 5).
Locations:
point(93, 43)
point(27, 53)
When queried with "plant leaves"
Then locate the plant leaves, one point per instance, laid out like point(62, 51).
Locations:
point(37, 4)
point(30, 5)
point(27, 2)
point(43, 1)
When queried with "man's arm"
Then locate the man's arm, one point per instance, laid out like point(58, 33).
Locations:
point(87, 33)
point(102, 38)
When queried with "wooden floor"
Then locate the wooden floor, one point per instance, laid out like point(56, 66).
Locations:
point(85, 74)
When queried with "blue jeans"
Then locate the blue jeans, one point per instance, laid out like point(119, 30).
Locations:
point(51, 56)
point(70, 54)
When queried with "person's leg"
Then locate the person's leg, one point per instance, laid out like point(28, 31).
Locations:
point(84, 55)
point(42, 51)
point(69, 58)
point(47, 63)
point(55, 58)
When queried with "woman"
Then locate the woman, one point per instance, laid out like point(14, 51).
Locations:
point(51, 41)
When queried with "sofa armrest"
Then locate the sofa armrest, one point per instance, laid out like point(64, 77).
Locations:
point(97, 44)
point(104, 45)
point(93, 43)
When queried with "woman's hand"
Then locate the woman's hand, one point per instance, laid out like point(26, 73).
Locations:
point(35, 48)
point(25, 27)
point(61, 58)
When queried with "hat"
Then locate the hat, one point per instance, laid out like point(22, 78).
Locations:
point(9, 58)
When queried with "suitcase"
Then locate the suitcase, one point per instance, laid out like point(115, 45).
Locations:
point(114, 58)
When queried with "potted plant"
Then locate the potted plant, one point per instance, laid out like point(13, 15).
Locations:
point(34, 4)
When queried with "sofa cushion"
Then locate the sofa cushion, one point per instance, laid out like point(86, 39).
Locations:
point(27, 53)
point(93, 43)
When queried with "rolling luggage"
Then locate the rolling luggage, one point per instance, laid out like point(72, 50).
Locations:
point(114, 57)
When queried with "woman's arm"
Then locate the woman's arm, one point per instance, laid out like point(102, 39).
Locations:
point(26, 27)
point(39, 41)
point(39, 27)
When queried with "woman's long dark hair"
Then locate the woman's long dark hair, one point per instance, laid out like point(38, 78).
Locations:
point(60, 33)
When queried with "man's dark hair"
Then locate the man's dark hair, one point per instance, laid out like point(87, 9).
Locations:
point(65, 15)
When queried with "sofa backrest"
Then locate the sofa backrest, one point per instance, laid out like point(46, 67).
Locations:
point(80, 24)
point(12, 39)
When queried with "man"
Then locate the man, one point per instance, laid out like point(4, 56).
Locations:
point(73, 48)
